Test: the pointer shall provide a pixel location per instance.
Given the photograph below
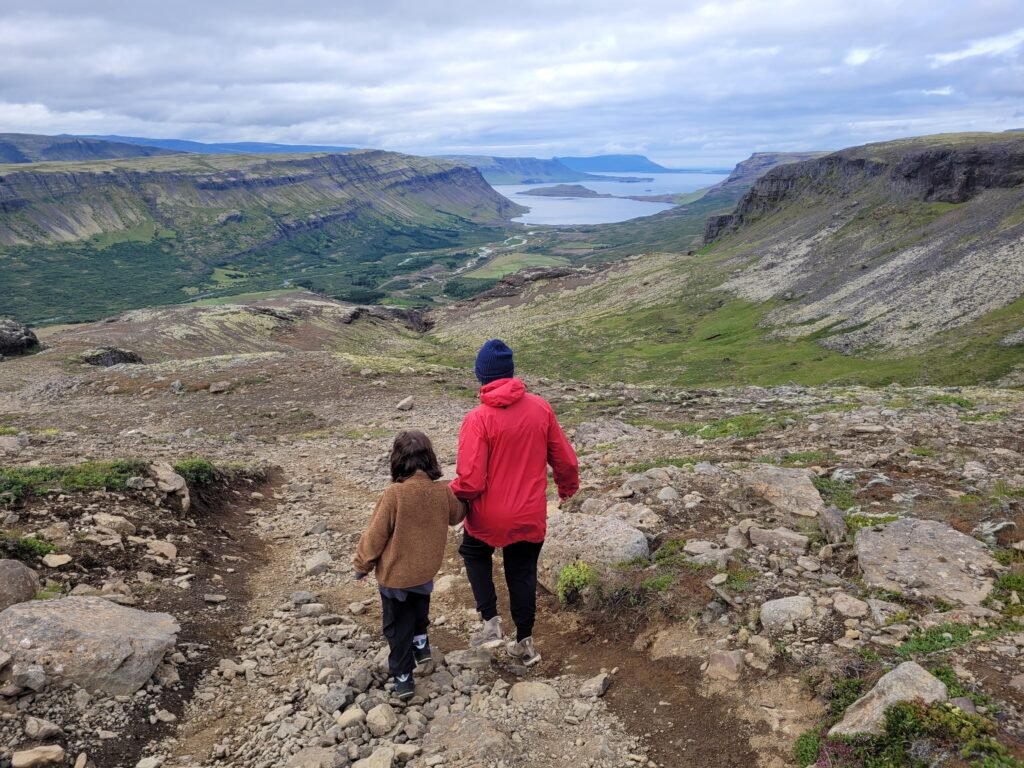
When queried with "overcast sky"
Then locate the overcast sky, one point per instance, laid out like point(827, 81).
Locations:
point(685, 83)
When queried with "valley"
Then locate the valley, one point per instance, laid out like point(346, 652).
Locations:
point(796, 397)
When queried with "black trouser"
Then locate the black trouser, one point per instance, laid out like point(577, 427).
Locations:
point(520, 561)
point(403, 620)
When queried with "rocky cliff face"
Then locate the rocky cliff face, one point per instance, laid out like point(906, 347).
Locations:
point(54, 204)
point(884, 245)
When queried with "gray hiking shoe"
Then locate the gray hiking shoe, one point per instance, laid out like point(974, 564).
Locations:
point(524, 651)
point(489, 636)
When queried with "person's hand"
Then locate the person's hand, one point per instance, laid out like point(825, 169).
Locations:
point(361, 577)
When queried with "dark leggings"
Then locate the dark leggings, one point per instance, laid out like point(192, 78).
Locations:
point(520, 561)
point(403, 620)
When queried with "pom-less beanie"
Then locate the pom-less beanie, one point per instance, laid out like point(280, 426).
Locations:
point(494, 361)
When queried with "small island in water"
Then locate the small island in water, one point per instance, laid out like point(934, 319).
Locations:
point(564, 190)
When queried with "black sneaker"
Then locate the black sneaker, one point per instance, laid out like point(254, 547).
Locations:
point(405, 686)
point(421, 654)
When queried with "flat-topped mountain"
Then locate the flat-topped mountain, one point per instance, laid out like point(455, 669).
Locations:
point(82, 240)
point(224, 147)
point(527, 170)
point(33, 148)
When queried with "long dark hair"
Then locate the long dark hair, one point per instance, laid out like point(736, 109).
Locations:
point(412, 451)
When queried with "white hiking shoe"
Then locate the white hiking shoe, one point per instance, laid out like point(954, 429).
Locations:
point(489, 636)
point(524, 651)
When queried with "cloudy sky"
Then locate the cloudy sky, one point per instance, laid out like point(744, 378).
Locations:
point(687, 83)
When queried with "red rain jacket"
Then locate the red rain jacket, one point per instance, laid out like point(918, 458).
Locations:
point(505, 445)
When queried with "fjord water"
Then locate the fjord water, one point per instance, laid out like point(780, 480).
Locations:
point(605, 210)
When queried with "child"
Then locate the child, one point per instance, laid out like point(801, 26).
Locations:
point(404, 542)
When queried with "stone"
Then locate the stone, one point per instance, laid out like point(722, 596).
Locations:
point(90, 641)
point(778, 616)
point(162, 548)
point(351, 716)
point(668, 493)
point(788, 490)
point(907, 682)
point(927, 557)
point(591, 433)
point(526, 692)
point(30, 676)
point(596, 686)
point(115, 523)
point(725, 665)
point(470, 658)
point(832, 524)
point(150, 762)
point(639, 516)
point(848, 606)
point(736, 538)
point(382, 757)
point(318, 563)
point(220, 387)
point(15, 338)
point(381, 719)
point(1018, 682)
point(780, 540)
point(104, 357)
point(406, 404)
point(42, 730)
point(302, 597)
point(56, 561)
point(18, 583)
point(48, 755)
point(465, 738)
point(316, 757)
point(5, 659)
point(594, 540)
point(167, 480)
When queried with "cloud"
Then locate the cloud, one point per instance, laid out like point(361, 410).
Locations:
point(989, 46)
point(858, 56)
point(682, 81)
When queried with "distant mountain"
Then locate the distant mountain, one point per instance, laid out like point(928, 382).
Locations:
point(34, 148)
point(221, 148)
point(625, 164)
point(527, 170)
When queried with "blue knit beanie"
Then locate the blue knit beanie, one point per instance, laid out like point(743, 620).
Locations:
point(494, 361)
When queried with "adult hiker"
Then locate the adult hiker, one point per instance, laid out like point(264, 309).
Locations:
point(505, 446)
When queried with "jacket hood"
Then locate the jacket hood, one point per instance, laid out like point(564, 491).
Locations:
point(502, 393)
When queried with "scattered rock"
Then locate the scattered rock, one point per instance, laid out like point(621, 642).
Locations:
point(48, 755)
point(381, 719)
point(908, 682)
point(848, 606)
point(56, 561)
point(108, 356)
point(832, 524)
point(593, 540)
point(779, 616)
point(220, 387)
point(927, 557)
point(406, 404)
point(90, 641)
point(15, 338)
point(788, 490)
point(318, 563)
point(779, 540)
point(725, 665)
point(18, 583)
point(526, 692)
point(596, 686)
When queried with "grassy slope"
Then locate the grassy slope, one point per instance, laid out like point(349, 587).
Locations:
point(665, 318)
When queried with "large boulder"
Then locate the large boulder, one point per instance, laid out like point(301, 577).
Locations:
point(593, 540)
point(592, 433)
point(15, 338)
point(928, 558)
point(788, 490)
point(908, 682)
point(101, 646)
point(105, 357)
point(18, 583)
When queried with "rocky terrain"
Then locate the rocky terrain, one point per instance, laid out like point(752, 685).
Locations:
point(747, 577)
point(32, 148)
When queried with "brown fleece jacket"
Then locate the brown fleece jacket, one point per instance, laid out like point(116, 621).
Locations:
point(407, 533)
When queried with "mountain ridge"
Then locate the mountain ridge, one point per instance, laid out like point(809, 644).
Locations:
point(35, 148)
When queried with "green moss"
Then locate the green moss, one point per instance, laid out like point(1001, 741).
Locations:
point(744, 425)
point(7, 431)
point(836, 492)
point(741, 580)
point(807, 747)
point(669, 552)
point(19, 483)
point(944, 637)
point(25, 548)
point(959, 402)
point(844, 693)
point(657, 583)
point(855, 522)
point(923, 451)
point(643, 466)
point(197, 471)
point(573, 579)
